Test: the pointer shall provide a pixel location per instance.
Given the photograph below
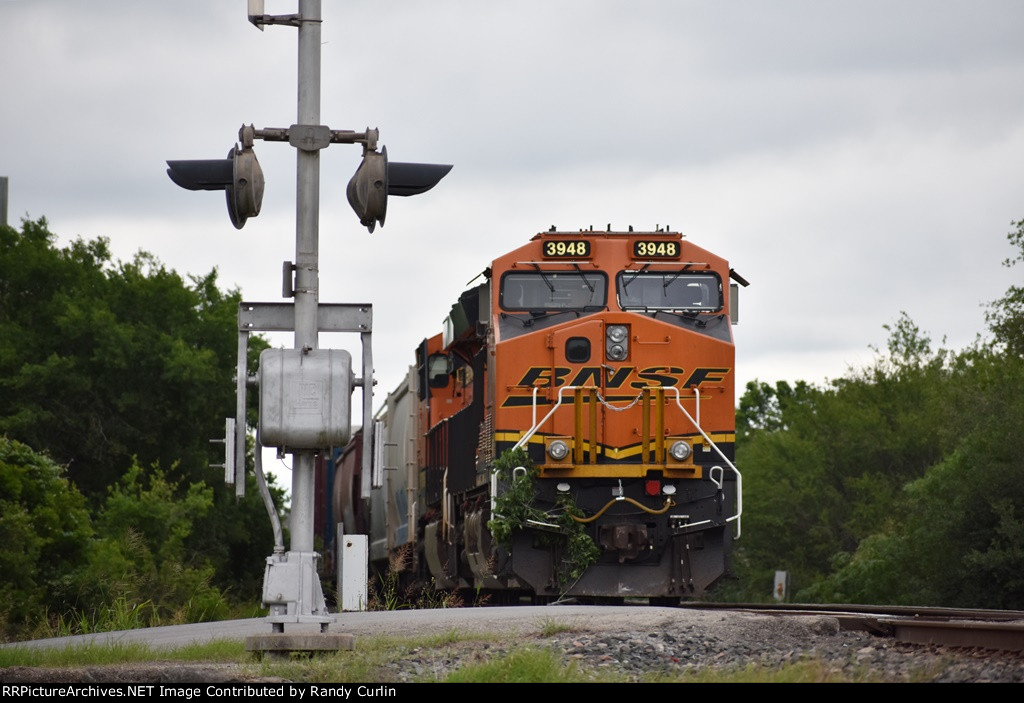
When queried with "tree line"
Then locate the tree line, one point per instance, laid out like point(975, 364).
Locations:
point(114, 376)
point(900, 483)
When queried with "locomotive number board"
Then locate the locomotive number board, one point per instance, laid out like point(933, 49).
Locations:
point(648, 249)
point(566, 248)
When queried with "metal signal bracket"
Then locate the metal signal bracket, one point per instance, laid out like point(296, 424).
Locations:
point(280, 317)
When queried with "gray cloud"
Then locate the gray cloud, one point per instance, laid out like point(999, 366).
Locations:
point(851, 160)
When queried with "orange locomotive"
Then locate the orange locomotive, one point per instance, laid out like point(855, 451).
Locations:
point(595, 371)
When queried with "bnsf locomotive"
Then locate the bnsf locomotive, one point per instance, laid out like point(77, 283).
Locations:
point(607, 358)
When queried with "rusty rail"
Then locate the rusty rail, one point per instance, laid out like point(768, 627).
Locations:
point(1001, 630)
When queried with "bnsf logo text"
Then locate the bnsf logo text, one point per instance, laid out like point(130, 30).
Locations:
point(623, 376)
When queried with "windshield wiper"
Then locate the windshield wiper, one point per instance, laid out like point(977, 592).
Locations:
point(625, 283)
point(678, 274)
point(544, 278)
point(583, 276)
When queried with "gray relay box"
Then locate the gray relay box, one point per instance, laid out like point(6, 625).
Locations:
point(305, 398)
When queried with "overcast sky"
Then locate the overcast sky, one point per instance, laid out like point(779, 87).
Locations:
point(850, 159)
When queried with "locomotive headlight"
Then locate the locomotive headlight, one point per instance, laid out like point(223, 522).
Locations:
point(679, 450)
point(617, 333)
point(558, 449)
point(616, 346)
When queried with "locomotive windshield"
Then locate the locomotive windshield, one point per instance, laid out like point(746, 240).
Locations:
point(553, 290)
point(669, 290)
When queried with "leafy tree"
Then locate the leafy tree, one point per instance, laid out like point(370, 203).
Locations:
point(901, 482)
point(101, 361)
point(823, 467)
point(45, 534)
point(141, 556)
point(955, 538)
point(1006, 315)
point(763, 408)
point(107, 366)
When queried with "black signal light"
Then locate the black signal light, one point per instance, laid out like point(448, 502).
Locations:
point(239, 176)
point(376, 179)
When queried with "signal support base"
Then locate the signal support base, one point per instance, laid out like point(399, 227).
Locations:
point(291, 587)
point(280, 645)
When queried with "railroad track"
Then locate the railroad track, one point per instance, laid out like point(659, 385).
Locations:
point(1001, 630)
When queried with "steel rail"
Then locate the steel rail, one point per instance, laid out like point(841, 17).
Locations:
point(1001, 630)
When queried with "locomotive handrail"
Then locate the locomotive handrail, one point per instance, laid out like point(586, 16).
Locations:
point(695, 421)
point(536, 425)
point(739, 476)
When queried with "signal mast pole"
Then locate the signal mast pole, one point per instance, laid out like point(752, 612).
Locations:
point(307, 242)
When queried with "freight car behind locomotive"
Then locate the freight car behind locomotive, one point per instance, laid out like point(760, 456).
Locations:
point(608, 359)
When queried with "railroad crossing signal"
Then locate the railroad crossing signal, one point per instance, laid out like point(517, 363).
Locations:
point(239, 176)
point(376, 179)
point(291, 583)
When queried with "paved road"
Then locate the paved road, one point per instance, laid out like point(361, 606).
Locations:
point(504, 620)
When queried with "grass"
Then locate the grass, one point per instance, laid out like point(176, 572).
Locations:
point(549, 627)
point(121, 614)
point(382, 659)
point(118, 653)
point(390, 591)
point(524, 665)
